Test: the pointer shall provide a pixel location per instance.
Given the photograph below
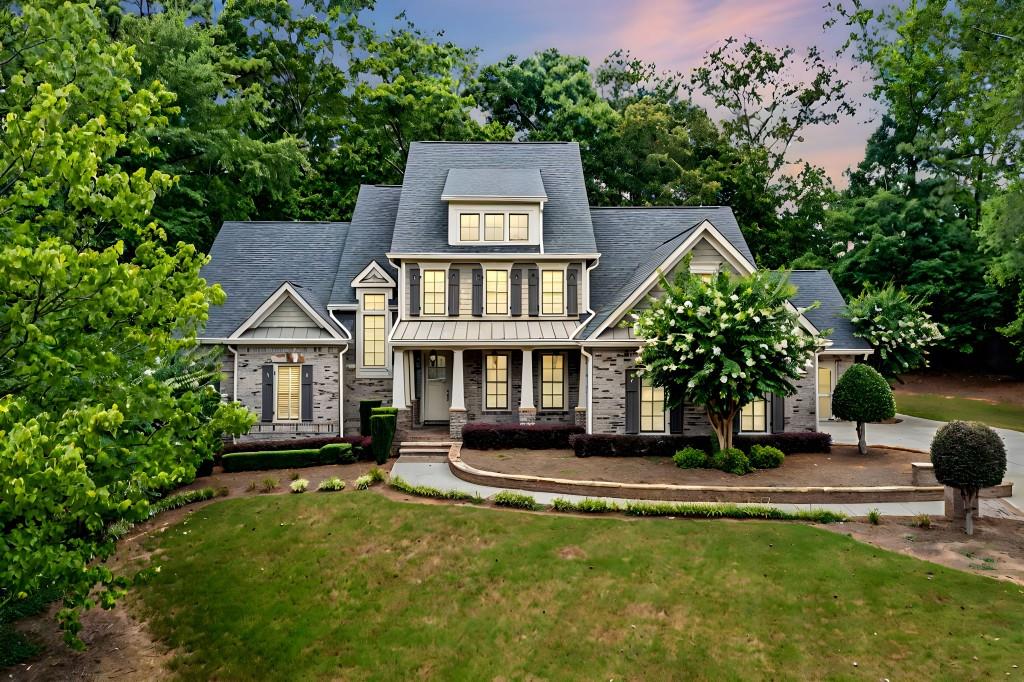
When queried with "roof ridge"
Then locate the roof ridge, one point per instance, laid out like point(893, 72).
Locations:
point(674, 206)
point(497, 142)
point(287, 222)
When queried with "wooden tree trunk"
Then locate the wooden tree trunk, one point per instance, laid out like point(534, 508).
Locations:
point(862, 443)
point(970, 498)
point(722, 426)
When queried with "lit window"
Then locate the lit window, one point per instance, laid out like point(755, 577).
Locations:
point(652, 407)
point(497, 292)
point(469, 227)
point(552, 382)
point(518, 227)
point(494, 227)
point(433, 292)
point(706, 277)
point(497, 382)
point(288, 385)
point(373, 330)
point(754, 416)
point(552, 293)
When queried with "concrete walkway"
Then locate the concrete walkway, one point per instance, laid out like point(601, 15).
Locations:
point(917, 433)
point(910, 433)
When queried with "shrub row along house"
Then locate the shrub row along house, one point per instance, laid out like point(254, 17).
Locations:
point(484, 288)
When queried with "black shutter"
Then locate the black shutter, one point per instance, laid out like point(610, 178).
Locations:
point(453, 291)
point(572, 277)
point(306, 396)
point(414, 291)
point(675, 419)
point(534, 277)
point(478, 291)
point(516, 291)
point(778, 413)
point(268, 394)
point(736, 422)
point(632, 402)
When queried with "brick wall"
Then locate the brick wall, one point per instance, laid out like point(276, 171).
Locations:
point(802, 407)
point(608, 401)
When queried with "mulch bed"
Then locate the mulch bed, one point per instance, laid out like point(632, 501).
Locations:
point(844, 466)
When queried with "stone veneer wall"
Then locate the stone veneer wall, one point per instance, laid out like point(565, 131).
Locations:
point(356, 389)
point(474, 378)
point(608, 392)
point(802, 407)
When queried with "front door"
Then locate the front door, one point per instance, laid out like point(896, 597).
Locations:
point(436, 386)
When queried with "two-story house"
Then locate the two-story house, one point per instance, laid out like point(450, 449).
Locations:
point(484, 288)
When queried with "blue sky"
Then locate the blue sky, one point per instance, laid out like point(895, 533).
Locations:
point(675, 34)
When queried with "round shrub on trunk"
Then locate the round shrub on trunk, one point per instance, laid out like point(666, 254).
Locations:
point(968, 456)
point(863, 395)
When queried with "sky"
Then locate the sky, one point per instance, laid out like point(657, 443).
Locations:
point(674, 34)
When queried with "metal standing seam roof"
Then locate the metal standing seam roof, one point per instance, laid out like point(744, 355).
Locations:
point(483, 330)
point(369, 237)
point(817, 285)
point(251, 260)
point(489, 183)
point(421, 225)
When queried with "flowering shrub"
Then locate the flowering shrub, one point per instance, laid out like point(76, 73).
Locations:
point(895, 324)
point(299, 485)
point(723, 343)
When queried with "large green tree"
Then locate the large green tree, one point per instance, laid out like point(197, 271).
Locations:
point(93, 422)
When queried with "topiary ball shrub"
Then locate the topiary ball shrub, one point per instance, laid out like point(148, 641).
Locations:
point(731, 461)
point(863, 395)
point(690, 458)
point(765, 457)
point(968, 455)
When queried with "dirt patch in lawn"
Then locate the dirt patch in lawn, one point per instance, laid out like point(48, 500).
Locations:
point(844, 466)
point(995, 550)
point(993, 388)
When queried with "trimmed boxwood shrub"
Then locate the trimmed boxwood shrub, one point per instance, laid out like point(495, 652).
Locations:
point(862, 395)
point(691, 458)
point(481, 436)
point(731, 461)
point(365, 409)
point(341, 453)
point(765, 457)
point(968, 456)
point(383, 424)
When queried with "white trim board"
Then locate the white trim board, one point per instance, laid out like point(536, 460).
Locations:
point(286, 290)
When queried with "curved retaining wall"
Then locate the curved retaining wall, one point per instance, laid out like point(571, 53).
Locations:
point(698, 493)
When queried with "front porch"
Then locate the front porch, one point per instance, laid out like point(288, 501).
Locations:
point(450, 387)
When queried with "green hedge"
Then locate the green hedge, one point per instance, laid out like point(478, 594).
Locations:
point(335, 453)
point(365, 407)
point(383, 424)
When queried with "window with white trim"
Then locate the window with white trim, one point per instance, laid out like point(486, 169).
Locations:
point(518, 227)
point(552, 381)
point(552, 292)
point(652, 407)
point(433, 292)
point(754, 416)
point(496, 299)
point(288, 388)
point(469, 227)
point(374, 332)
point(494, 227)
point(496, 382)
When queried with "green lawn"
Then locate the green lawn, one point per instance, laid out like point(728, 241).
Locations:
point(354, 586)
point(931, 406)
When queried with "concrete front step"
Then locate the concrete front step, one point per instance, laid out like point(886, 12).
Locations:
point(441, 452)
point(438, 444)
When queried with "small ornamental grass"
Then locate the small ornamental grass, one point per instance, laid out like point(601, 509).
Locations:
point(585, 506)
point(374, 475)
point(268, 485)
point(507, 498)
point(874, 517)
point(400, 484)
point(716, 510)
point(330, 485)
point(119, 529)
point(299, 485)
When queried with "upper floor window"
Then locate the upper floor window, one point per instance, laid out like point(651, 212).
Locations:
point(754, 416)
point(374, 313)
point(469, 227)
point(518, 227)
point(433, 292)
point(497, 292)
point(288, 388)
point(494, 227)
point(552, 292)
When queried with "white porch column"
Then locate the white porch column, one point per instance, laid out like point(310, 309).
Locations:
point(398, 374)
point(581, 400)
point(458, 382)
point(526, 387)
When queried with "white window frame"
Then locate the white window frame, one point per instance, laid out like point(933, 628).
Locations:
point(363, 370)
point(565, 294)
point(507, 269)
point(532, 210)
point(479, 226)
point(766, 399)
point(509, 227)
point(435, 267)
point(508, 382)
point(504, 223)
point(277, 383)
point(565, 382)
point(664, 411)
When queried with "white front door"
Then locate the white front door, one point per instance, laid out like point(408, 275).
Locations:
point(436, 386)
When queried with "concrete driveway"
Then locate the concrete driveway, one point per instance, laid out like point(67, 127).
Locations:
point(917, 433)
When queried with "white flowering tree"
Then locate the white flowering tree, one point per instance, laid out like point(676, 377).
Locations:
point(895, 324)
point(724, 343)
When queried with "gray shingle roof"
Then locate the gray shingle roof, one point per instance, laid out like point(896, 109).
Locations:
point(481, 183)
point(422, 221)
point(634, 241)
point(251, 260)
point(817, 285)
point(369, 237)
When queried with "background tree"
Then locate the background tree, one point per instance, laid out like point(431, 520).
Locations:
point(968, 456)
point(1002, 238)
point(863, 395)
point(92, 422)
point(896, 326)
point(723, 344)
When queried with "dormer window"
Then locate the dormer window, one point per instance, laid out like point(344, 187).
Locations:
point(469, 227)
point(494, 227)
point(495, 206)
point(518, 227)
